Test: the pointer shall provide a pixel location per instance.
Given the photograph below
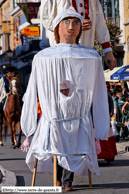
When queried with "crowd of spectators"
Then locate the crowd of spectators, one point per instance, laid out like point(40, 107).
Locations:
point(118, 93)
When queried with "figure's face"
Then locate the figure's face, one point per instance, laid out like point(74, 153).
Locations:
point(10, 74)
point(65, 92)
point(69, 29)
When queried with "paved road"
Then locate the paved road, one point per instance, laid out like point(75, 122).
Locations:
point(114, 178)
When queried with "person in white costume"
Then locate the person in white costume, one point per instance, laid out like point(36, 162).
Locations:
point(88, 9)
point(64, 174)
point(66, 126)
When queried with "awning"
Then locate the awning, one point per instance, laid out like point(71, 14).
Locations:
point(108, 73)
point(121, 74)
point(30, 9)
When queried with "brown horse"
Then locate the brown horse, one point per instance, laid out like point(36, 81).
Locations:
point(5, 126)
point(12, 112)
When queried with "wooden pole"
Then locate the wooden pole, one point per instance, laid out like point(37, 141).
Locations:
point(55, 170)
point(90, 180)
point(34, 172)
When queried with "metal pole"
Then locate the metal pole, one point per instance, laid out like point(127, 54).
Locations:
point(106, 11)
point(113, 11)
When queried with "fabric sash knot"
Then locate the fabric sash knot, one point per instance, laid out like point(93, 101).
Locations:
point(47, 138)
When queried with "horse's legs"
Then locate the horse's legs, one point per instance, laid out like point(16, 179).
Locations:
point(5, 129)
point(14, 135)
point(19, 134)
point(11, 134)
point(1, 144)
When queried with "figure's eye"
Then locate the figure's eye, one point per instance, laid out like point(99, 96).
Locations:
point(76, 23)
point(66, 22)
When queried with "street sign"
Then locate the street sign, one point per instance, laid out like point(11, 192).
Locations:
point(31, 31)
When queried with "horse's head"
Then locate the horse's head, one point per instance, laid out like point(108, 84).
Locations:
point(14, 84)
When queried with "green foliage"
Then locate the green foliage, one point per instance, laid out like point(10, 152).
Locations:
point(114, 32)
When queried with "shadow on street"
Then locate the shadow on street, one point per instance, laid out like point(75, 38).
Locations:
point(103, 186)
point(115, 163)
point(8, 159)
point(20, 181)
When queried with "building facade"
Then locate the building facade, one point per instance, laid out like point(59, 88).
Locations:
point(17, 18)
point(118, 12)
point(25, 16)
point(113, 12)
point(126, 25)
point(6, 33)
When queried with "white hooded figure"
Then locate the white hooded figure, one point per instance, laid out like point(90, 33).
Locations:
point(66, 126)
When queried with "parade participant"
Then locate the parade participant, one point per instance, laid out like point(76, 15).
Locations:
point(2, 96)
point(4, 82)
point(4, 90)
point(108, 147)
point(64, 89)
point(64, 174)
point(94, 26)
point(65, 126)
point(114, 124)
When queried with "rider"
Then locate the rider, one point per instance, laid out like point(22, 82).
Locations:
point(4, 87)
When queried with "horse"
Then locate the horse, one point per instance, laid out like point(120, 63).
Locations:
point(12, 113)
point(5, 126)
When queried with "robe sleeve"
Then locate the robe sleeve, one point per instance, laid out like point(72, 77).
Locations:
point(101, 119)
point(49, 10)
point(29, 109)
point(101, 30)
point(3, 92)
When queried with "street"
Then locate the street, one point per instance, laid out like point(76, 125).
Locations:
point(113, 179)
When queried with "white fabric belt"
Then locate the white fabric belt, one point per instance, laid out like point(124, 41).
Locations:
point(46, 140)
point(59, 154)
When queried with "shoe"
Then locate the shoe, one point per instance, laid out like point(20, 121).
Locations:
point(68, 188)
point(1, 143)
point(59, 183)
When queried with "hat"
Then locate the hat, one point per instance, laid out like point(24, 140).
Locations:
point(10, 69)
point(65, 14)
point(63, 86)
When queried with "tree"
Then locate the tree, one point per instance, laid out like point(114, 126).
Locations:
point(115, 34)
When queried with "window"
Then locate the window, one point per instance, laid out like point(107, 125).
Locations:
point(23, 1)
point(22, 19)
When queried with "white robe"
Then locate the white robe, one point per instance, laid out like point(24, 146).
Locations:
point(2, 89)
point(99, 31)
point(78, 66)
